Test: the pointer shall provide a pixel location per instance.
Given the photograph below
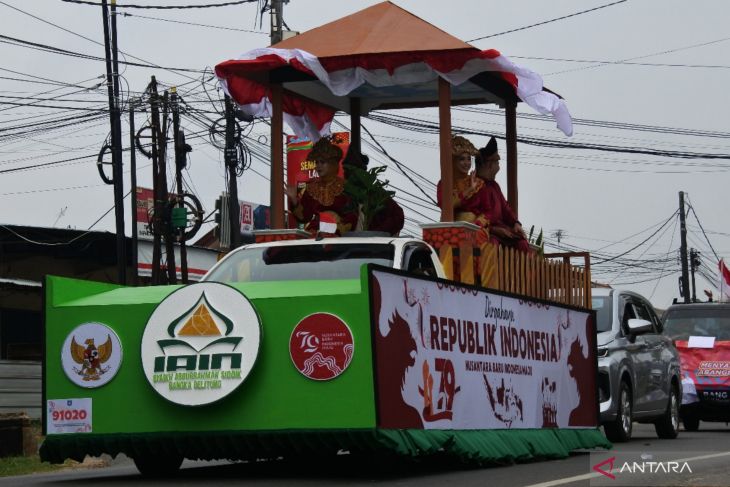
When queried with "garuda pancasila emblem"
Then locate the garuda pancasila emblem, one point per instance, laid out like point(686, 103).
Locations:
point(91, 357)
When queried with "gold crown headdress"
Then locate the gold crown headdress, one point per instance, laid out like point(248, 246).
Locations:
point(325, 150)
point(461, 145)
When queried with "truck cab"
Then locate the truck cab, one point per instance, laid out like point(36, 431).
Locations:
point(328, 258)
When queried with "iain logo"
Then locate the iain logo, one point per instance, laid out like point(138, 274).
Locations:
point(203, 354)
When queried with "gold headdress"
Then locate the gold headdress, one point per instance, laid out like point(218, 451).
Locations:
point(325, 150)
point(461, 145)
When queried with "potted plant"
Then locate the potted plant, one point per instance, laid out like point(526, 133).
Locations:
point(367, 191)
point(536, 243)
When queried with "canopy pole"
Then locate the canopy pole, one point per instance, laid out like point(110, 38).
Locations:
point(447, 179)
point(511, 138)
point(277, 157)
point(355, 132)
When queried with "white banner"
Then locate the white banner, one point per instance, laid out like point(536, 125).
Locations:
point(451, 357)
point(200, 260)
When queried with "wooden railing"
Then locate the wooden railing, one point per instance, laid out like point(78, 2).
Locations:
point(467, 257)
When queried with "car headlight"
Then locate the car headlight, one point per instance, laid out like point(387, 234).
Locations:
point(602, 352)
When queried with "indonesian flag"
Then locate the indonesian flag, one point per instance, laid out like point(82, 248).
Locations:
point(344, 74)
point(724, 281)
point(327, 222)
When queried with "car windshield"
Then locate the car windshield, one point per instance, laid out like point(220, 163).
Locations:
point(680, 324)
point(301, 262)
point(602, 305)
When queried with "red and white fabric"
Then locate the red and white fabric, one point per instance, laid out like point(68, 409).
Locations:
point(327, 222)
point(724, 281)
point(343, 74)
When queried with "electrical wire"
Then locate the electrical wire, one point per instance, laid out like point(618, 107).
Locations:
point(703, 230)
point(126, 14)
point(547, 21)
point(166, 7)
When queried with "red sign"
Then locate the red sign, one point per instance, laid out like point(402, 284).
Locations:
point(707, 367)
point(145, 202)
point(321, 346)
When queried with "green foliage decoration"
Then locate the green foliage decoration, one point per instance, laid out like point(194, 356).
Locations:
point(367, 190)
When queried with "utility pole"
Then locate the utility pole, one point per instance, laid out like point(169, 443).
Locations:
point(112, 79)
point(694, 262)
point(157, 208)
point(133, 193)
point(683, 248)
point(164, 194)
point(231, 158)
point(277, 21)
point(180, 156)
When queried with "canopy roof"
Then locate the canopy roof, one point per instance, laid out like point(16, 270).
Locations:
point(385, 57)
point(382, 28)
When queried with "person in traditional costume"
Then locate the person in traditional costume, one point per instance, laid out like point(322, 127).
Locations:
point(390, 219)
point(504, 227)
point(470, 205)
point(323, 203)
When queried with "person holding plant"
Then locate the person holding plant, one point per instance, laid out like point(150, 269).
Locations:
point(378, 210)
point(324, 206)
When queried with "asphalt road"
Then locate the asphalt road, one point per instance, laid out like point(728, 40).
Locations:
point(707, 452)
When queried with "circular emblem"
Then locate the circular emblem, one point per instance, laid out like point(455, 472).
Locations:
point(200, 343)
point(91, 355)
point(321, 346)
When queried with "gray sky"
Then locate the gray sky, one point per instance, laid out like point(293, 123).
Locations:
point(602, 201)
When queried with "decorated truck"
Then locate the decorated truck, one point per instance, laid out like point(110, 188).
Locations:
point(315, 347)
point(488, 357)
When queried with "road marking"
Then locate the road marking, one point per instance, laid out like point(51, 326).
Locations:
point(578, 478)
point(566, 480)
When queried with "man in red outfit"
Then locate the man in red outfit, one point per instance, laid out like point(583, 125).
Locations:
point(504, 228)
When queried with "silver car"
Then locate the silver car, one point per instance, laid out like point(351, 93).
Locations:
point(638, 367)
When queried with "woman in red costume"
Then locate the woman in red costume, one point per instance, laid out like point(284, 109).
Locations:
point(324, 197)
point(470, 204)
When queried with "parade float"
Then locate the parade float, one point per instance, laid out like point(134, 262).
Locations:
point(495, 363)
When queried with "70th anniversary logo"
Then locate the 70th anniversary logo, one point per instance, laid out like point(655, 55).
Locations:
point(200, 343)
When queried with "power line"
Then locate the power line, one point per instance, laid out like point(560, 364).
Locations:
point(24, 168)
point(413, 124)
point(167, 7)
point(547, 21)
point(691, 207)
point(642, 242)
point(51, 23)
point(604, 123)
point(125, 14)
point(669, 51)
point(65, 52)
point(662, 65)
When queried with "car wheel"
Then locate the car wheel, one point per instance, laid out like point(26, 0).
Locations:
point(619, 430)
point(158, 466)
point(668, 426)
point(690, 422)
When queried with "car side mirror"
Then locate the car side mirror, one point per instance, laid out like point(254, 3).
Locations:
point(638, 326)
